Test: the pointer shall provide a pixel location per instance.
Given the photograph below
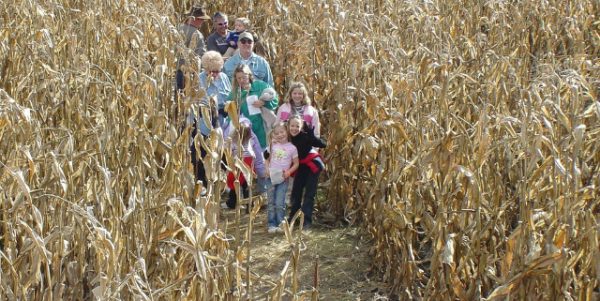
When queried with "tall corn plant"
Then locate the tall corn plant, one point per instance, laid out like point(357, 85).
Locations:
point(473, 131)
point(97, 193)
point(472, 127)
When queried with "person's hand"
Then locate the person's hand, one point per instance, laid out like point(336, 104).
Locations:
point(309, 129)
point(258, 104)
point(287, 173)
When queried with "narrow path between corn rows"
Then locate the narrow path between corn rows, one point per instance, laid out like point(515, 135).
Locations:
point(344, 262)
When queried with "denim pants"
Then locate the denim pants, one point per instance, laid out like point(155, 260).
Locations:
point(262, 185)
point(305, 183)
point(276, 205)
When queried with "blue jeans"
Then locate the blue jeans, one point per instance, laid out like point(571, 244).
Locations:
point(262, 185)
point(276, 205)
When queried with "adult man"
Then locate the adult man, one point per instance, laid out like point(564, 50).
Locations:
point(193, 39)
point(217, 40)
point(258, 65)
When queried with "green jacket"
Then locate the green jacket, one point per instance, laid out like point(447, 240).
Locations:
point(256, 88)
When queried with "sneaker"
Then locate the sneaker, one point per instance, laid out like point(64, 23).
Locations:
point(306, 227)
point(279, 230)
point(272, 229)
point(225, 206)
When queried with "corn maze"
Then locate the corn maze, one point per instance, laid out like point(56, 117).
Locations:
point(464, 139)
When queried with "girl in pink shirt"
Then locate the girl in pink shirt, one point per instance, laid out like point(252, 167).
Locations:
point(297, 102)
point(282, 163)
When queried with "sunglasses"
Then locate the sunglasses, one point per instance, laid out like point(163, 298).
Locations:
point(222, 24)
point(246, 41)
point(214, 72)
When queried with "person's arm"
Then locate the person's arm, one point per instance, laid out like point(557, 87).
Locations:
point(230, 96)
point(316, 122)
point(211, 43)
point(293, 168)
point(230, 40)
point(319, 142)
point(283, 112)
point(279, 111)
point(224, 91)
point(269, 77)
point(230, 66)
point(200, 46)
point(314, 141)
point(259, 161)
point(267, 69)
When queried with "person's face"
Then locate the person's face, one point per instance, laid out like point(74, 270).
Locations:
point(280, 134)
point(297, 96)
point(221, 25)
point(239, 26)
point(295, 127)
point(196, 22)
point(213, 73)
point(245, 45)
point(243, 80)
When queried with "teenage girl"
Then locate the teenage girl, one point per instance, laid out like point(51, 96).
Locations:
point(297, 102)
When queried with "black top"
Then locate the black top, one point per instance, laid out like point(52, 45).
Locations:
point(305, 141)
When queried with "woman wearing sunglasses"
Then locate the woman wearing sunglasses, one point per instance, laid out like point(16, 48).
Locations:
point(217, 88)
point(258, 65)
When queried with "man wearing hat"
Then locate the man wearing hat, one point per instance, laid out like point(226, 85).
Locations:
point(258, 65)
point(193, 38)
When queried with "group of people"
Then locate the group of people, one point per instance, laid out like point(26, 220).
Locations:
point(280, 142)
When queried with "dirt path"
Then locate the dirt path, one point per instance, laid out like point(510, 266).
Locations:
point(343, 258)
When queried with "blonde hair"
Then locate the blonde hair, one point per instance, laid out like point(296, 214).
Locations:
point(298, 85)
point(276, 125)
point(297, 117)
point(279, 124)
point(245, 22)
point(212, 60)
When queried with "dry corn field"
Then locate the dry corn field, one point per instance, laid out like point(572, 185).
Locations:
point(464, 140)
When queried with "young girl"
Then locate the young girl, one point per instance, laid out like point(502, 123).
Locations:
point(297, 102)
point(311, 165)
point(244, 139)
point(283, 161)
